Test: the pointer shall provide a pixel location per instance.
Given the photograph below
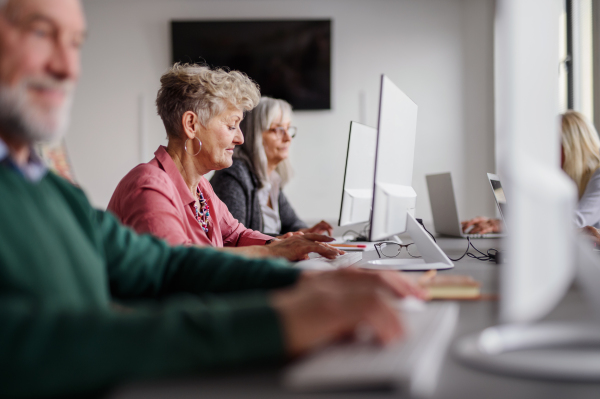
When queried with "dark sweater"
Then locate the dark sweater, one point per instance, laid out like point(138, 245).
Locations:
point(238, 188)
point(62, 263)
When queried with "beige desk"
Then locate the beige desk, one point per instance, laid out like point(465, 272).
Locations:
point(456, 380)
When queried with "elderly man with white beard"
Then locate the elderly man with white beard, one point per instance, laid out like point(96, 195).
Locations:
point(64, 264)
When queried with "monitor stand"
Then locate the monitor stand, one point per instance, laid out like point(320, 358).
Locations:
point(567, 351)
point(432, 255)
point(549, 350)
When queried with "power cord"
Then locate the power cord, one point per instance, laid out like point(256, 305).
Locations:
point(420, 221)
point(359, 236)
point(356, 237)
point(492, 255)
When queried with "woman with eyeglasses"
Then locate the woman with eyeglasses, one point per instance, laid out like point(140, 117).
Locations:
point(169, 196)
point(251, 187)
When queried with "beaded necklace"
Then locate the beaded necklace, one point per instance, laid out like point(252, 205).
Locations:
point(202, 212)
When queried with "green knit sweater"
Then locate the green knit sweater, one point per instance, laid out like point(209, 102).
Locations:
point(62, 266)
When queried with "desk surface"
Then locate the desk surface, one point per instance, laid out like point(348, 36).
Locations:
point(456, 380)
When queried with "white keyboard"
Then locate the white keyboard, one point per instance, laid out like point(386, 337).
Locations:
point(413, 363)
point(318, 262)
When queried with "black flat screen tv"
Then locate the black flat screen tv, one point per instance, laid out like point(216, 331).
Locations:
point(289, 59)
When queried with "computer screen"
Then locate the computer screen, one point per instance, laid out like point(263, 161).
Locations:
point(499, 195)
point(393, 195)
point(498, 192)
point(357, 193)
point(540, 252)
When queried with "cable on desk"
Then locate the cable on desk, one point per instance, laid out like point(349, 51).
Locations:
point(356, 237)
point(425, 228)
point(491, 256)
point(360, 236)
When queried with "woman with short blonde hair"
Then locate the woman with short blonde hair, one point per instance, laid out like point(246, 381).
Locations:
point(206, 91)
point(201, 109)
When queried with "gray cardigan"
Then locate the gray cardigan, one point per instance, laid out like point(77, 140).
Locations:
point(238, 188)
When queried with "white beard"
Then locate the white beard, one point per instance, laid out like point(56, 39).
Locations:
point(29, 122)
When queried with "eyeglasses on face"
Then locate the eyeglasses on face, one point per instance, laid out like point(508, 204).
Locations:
point(393, 249)
point(280, 131)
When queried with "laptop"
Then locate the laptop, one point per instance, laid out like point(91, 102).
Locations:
point(498, 196)
point(444, 210)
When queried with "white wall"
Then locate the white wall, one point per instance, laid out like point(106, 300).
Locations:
point(527, 86)
point(440, 52)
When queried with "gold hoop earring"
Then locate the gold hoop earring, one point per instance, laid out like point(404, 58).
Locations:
point(199, 147)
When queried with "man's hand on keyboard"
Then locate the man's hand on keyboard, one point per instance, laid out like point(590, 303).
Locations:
point(298, 246)
point(398, 283)
point(327, 306)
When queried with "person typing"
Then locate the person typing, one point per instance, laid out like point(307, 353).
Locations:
point(580, 160)
point(169, 197)
point(72, 277)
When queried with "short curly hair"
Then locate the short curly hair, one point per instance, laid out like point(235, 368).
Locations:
point(205, 91)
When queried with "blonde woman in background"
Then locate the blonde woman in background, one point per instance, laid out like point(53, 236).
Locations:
point(580, 159)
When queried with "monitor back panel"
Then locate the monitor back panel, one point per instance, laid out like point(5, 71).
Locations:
point(395, 152)
point(357, 193)
point(396, 135)
point(443, 204)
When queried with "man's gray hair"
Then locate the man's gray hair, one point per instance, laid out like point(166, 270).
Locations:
point(252, 151)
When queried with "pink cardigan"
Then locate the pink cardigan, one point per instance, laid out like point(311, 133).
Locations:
point(153, 198)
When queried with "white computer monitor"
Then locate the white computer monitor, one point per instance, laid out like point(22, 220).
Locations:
point(541, 246)
point(357, 194)
point(540, 264)
point(393, 195)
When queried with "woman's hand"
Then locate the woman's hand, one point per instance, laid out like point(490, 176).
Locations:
point(594, 233)
point(320, 228)
point(298, 246)
point(326, 306)
point(291, 246)
point(481, 225)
